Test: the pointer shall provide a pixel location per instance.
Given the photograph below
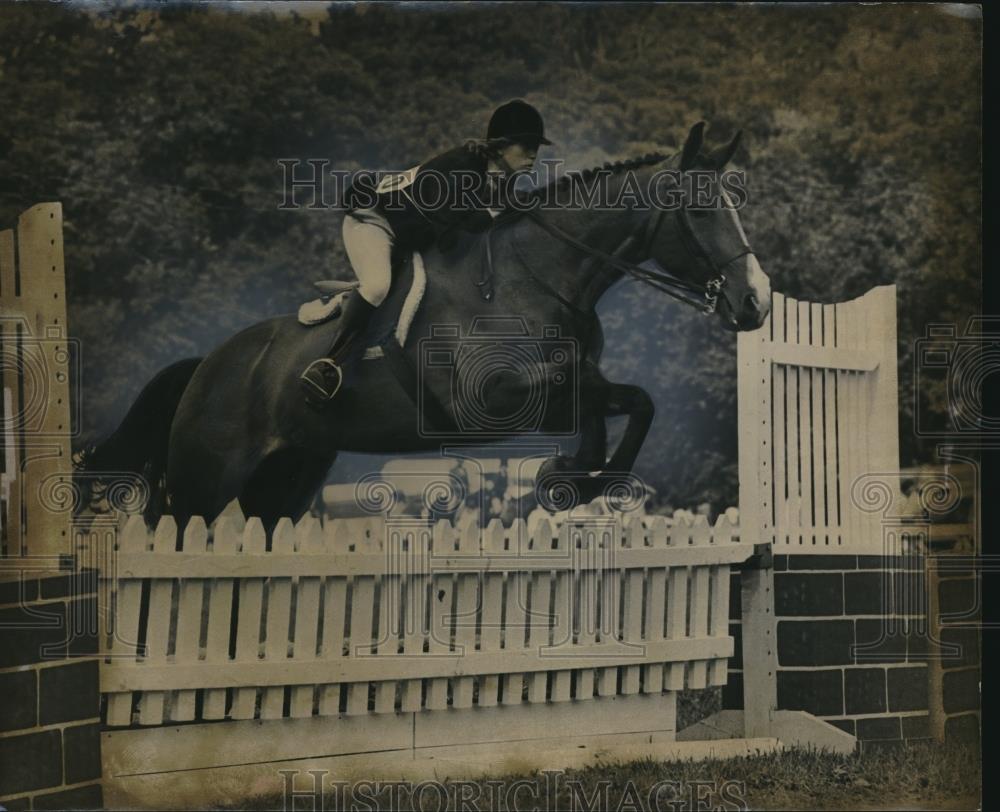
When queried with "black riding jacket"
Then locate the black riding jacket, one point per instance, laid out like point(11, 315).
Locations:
point(451, 191)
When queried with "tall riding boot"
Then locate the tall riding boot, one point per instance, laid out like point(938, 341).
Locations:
point(322, 379)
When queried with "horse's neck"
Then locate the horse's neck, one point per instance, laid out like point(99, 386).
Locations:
point(580, 279)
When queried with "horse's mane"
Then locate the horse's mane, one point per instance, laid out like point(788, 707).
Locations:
point(576, 177)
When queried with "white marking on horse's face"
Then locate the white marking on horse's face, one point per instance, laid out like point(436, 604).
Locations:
point(758, 281)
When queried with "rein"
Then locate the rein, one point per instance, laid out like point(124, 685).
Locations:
point(659, 279)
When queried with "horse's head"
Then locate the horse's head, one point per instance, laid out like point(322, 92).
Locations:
point(707, 246)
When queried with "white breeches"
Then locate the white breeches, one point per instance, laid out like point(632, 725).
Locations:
point(368, 240)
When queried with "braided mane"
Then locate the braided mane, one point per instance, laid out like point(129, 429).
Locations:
point(571, 179)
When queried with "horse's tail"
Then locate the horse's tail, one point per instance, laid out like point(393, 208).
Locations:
point(139, 445)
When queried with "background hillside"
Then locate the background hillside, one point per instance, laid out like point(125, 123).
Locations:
point(160, 132)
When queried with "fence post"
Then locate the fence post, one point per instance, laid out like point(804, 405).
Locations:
point(760, 696)
point(35, 360)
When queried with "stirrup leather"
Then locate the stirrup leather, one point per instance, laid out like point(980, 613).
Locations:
point(322, 367)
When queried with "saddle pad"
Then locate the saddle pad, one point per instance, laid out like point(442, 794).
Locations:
point(394, 316)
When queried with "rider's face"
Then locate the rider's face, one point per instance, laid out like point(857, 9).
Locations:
point(520, 157)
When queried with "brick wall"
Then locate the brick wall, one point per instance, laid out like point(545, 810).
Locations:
point(852, 642)
point(50, 754)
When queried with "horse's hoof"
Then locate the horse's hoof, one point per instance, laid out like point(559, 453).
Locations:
point(557, 484)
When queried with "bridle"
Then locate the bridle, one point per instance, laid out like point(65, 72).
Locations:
point(703, 297)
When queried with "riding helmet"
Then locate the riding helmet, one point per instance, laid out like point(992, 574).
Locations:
point(518, 121)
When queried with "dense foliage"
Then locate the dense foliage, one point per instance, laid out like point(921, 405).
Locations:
point(160, 131)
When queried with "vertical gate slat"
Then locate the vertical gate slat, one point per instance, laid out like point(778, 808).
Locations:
point(658, 534)
point(850, 413)
point(251, 597)
point(869, 324)
point(780, 377)
point(830, 433)
point(794, 470)
point(151, 704)
point(226, 539)
point(124, 642)
point(818, 467)
point(805, 432)
point(189, 605)
point(309, 541)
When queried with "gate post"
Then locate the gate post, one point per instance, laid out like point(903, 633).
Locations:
point(760, 649)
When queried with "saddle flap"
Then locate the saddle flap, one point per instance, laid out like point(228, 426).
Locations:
point(335, 286)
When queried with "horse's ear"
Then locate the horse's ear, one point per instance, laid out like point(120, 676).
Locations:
point(721, 156)
point(692, 146)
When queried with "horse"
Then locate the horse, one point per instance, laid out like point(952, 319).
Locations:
point(236, 425)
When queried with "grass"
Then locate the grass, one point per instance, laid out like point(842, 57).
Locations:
point(915, 776)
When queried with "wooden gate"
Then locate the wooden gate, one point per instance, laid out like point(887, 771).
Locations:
point(819, 428)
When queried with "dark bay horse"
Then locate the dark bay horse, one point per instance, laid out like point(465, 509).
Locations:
point(235, 425)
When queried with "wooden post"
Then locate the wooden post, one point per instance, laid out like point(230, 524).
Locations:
point(760, 645)
point(760, 696)
point(935, 670)
point(35, 360)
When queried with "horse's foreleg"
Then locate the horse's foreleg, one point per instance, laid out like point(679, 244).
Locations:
point(638, 405)
point(592, 453)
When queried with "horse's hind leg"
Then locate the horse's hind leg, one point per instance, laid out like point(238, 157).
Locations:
point(284, 484)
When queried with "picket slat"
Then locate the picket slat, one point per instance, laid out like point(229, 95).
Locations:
point(309, 538)
point(125, 640)
point(677, 600)
point(225, 539)
point(655, 620)
point(251, 597)
point(362, 622)
point(416, 576)
point(562, 612)
point(151, 705)
point(192, 591)
point(701, 578)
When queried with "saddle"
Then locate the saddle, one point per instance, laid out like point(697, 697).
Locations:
point(392, 318)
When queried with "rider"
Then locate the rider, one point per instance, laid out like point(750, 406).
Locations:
point(411, 210)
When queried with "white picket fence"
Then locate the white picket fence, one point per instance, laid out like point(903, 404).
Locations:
point(458, 645)
point(819, 429)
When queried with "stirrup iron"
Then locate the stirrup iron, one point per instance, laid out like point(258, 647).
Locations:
point(322, 366)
